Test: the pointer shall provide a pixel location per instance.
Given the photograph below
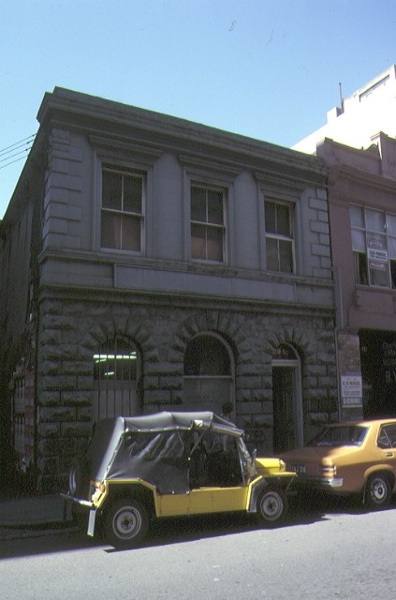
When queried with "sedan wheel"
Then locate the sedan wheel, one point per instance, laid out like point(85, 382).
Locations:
point(378, 492)
point(272, 506)
point(126, 523)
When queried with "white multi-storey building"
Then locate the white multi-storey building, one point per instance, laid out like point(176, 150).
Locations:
point(361, 116)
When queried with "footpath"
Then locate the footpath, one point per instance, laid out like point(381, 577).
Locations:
point(34, 516)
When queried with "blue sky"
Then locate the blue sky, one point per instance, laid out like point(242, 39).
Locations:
point(268, 69)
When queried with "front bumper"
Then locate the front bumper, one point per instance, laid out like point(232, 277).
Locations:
point(80, 501)
point(320, 483)
point(86, 505)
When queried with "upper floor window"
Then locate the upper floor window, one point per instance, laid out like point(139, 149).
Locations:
point(279, 236)
point(373, 246)
point(122, 209)
point(207, 223)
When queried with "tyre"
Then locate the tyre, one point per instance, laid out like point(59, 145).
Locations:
point(74, 478)
point(272, 506)
point(79, 478)
point(126, 523)
point(378, 491)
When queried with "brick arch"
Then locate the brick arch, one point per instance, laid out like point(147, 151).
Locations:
point(210, 322)
point(299, 340)
point(109, 328)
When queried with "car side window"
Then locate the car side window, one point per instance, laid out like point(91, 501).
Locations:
point(214, 461)
point(387, 436)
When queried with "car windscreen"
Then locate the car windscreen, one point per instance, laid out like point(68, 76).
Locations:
point(341, 435)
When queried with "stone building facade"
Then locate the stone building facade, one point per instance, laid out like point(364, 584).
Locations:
point(162, 264)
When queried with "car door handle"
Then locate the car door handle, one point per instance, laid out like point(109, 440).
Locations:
point(389, 454)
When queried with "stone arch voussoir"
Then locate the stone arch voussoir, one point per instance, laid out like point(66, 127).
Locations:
point(112, 327)
point(299, 340)
point(210, 321)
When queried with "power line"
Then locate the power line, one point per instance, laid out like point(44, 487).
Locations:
point(13, 155)
point(10, 153)
point(24, 141)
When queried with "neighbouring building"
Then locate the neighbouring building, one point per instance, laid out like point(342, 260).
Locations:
point(359, 147)
point(362, 200)
point(366, 112)
point(150, 263)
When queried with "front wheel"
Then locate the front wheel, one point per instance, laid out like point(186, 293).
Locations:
point(126, 523)
point(378, 492)
point(272, 506)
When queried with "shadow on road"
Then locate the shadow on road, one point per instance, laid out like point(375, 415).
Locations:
point(303, 511)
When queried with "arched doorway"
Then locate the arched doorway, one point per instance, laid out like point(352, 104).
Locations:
point(288, 428)
point(117, 378)
point(208, 374)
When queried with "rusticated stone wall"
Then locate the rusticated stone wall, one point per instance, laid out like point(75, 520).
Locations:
point(71, 332)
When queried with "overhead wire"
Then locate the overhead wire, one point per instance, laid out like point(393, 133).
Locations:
point(10, 153)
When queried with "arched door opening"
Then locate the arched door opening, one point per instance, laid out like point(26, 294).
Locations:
point(117, 377)
point(208, 374)
point(288, 427)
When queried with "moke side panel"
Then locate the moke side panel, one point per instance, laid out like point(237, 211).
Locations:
point(203, 500)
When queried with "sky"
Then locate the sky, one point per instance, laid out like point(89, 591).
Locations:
point(266, 69)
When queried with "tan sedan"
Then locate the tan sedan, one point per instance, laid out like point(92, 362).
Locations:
point(350, 458)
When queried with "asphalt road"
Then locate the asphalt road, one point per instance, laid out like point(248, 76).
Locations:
point(341, 553)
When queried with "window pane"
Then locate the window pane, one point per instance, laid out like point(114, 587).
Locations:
point(131, 233)
point(111, 190)
point(133, 188)
point(285, 257)
point(361, 273)
point(215, 207)
point(391, 224)
point(375, 220)
point(358, 241)
point(270, 219)
point(272, 254)
point(206, 355)
point(393, 272)
point(198, 242)
point(198, 204)
point(283, 220)
point(116, 361)
point(357, 216)
point(214, 244)
point(392, 247)
point(110, 230)
point(380, 276)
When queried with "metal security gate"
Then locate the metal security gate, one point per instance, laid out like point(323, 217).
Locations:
point(117, 373)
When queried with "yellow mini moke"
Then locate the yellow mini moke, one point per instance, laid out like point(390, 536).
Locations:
point(170, 464)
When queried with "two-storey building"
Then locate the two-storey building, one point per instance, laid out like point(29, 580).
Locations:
point(151, 263)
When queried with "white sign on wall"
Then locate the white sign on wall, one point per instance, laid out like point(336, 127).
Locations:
point(351, 390)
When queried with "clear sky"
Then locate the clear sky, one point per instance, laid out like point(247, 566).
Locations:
point(268, 69)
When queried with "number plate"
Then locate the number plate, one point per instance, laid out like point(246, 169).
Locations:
point(299, 469)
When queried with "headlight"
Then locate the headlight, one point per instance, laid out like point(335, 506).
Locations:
point(97, 490)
